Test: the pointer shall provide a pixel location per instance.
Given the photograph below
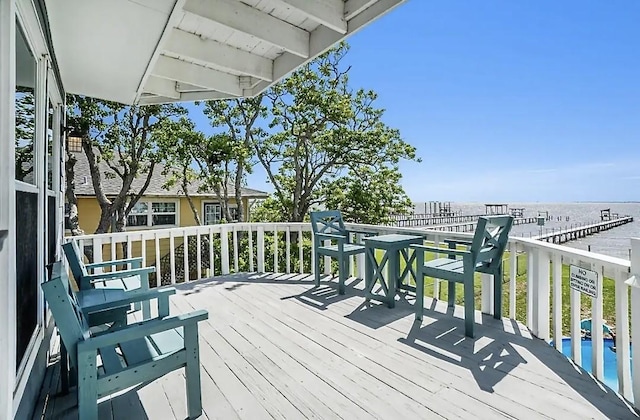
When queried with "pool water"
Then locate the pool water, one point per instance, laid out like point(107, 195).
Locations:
point(610, 364)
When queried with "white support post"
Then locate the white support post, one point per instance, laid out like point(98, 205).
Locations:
point(597, 347)
point(250, 233)
point(557, 301)
point(301, 251)
point(622, 336)
point(156, 248)
point(236, 257)
point(96, 243)
point(531, 280)
point(360, 258)
point(634, 282)
point(513, 277)
point(288, 250)
point(185, 254)
point(260, 250)
point(199, 254)
point(541, 309)
point(7, 207)
point(224, 250)
point(275, 249)
point(327, 260)
point(576, 333)
point(487, 293)
point(436, 282)
point(172, 257)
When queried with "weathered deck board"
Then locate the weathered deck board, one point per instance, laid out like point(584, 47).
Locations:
point(276, 347)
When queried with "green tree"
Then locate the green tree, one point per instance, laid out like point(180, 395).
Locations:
point(325, 136)
point(25, 132)
point(225, 159)
point(126, 139)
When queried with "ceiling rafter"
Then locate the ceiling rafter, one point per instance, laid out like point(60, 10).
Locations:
point(329, 13)
point(222, 56)
point(193, 74)
point(243, 18)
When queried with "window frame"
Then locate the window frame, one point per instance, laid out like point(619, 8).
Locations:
point(232, 206)
point(150, 213)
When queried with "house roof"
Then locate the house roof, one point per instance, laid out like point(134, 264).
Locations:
point(112, 184)
point(158, 51)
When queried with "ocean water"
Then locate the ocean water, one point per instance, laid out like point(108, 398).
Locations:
point(614, 242)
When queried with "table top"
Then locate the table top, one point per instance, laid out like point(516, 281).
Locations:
point(393, 239)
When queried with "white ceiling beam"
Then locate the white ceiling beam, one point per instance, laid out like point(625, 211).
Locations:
point(249, 20)
point(173, 20)
point(193, 74)
point(353, 8)
point(329, 13)
point(224, 57)
point(161, 87)
point(185, 97)
point(324, 38)
point(186, 87)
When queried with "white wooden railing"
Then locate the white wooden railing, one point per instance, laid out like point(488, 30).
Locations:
point(286, 247)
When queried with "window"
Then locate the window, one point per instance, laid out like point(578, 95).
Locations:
point(213, 213)
point(147, 213)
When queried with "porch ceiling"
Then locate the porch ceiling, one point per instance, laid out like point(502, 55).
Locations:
point(157, 51)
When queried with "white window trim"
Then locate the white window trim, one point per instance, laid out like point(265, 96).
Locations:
point(149, 225)
point(219, 203)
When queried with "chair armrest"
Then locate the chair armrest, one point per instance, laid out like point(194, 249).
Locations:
point(440, 250)
point(331, 236)
point(133, 297)
point(459, 242)
point(119, 274)
point(141, 329)
point(115, 262)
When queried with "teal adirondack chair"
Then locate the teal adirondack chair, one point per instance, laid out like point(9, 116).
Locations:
point(484, 255)
point(134, 354)
point(329, 225)
point(136, 278)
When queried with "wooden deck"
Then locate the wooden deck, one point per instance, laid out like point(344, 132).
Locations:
point(276, 347)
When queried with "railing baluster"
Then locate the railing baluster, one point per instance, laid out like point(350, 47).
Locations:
point(129, 250)
point(172, 256)
point(576, 333)
point(260, 249)
point(530, 286)
point(211, 253)
point(251, 266)
point(597, 350)
point(97, 252)
point(288, 250)
point(199, 253)
point(275, 250)
point(622, 335)
point(635, 318)
point(360, 257)
point(436, 282)
point(557, 301)
point(224, 250)
point(114, 245)
point(513, 278)
point(185, 248)
point(541, 303)
point(487, 293)
point(327, 260)
point(236, 257)
point(301, 249)
point(156, 247)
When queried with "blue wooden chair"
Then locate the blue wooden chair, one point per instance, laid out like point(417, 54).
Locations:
point(136, 278)
point(121, 358)
point(484, 255)
point(329, 225)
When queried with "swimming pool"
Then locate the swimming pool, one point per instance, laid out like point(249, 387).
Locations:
point(610, 364)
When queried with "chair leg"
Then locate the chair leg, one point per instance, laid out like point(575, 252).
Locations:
point(451, 299)
point(87, 387)
point(342, 268)
point(419, 296)
point(192, 372)
point(469, 306)
point(497, 293)
point(317, 269)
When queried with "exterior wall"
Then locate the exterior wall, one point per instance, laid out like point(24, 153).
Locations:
point(89, 211)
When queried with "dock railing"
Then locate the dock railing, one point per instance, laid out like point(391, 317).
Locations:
point(535, 276)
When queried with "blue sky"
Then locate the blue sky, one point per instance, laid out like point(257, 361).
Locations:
point(507, 100)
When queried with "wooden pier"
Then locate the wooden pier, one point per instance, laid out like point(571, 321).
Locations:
point(471, 226)
point(561, 236)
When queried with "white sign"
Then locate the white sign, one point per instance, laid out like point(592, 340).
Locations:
point(583, 280)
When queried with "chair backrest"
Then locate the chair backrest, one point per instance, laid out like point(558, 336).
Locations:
point(329, 221)
point(72, 325)
point(489, 241)
point(76, 262)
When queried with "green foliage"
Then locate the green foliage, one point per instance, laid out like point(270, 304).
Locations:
point(324, 136)
point(269, 210)
point(24, 132)
point(127, 139)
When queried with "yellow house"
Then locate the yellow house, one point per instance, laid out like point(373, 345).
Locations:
point(159, 207)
